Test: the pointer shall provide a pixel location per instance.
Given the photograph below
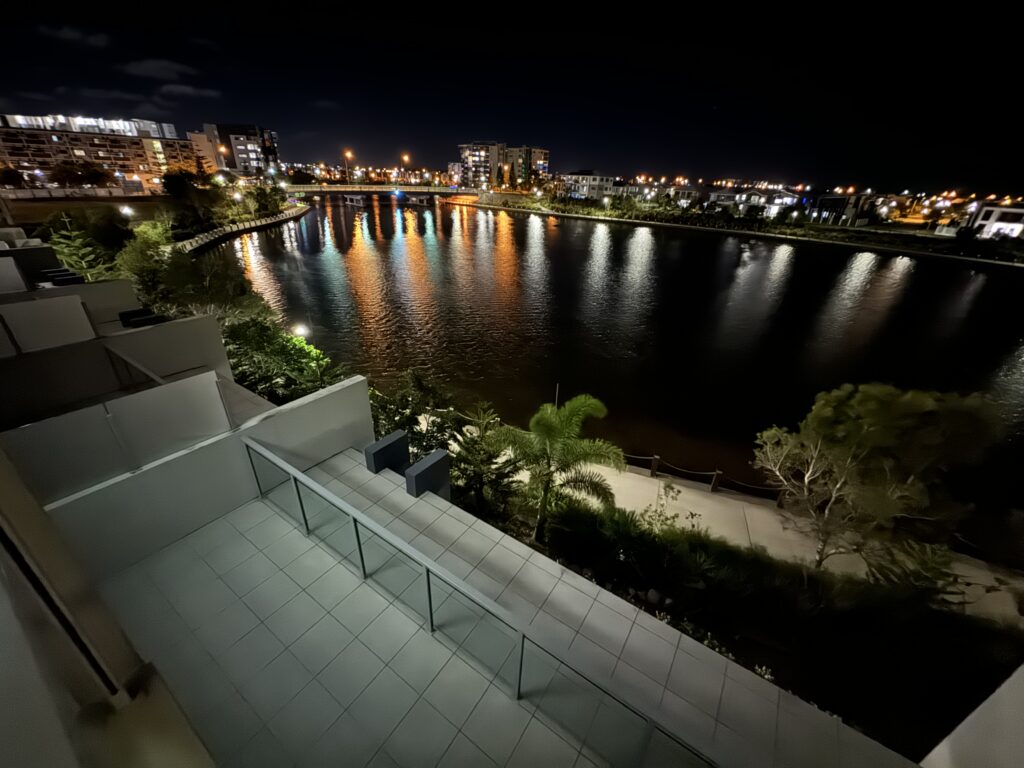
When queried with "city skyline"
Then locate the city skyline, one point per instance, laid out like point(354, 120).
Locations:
point(705, 114)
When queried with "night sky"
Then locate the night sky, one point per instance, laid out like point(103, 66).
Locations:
point(880, 118)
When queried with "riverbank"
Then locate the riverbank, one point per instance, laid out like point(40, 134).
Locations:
point(751, 522)
point(742, 232)
point(219, 235)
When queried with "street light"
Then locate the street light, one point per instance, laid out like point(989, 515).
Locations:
point(405, 159)
point(300, 330)
point(126, 210)
point(348, 156)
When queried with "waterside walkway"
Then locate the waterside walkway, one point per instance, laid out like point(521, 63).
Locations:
point(750, 521)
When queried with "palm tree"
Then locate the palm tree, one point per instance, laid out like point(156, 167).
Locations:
point(556, 456)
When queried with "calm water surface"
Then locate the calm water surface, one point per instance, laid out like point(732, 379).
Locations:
point(694, 340)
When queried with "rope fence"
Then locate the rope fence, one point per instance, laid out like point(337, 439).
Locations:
point(715, 478)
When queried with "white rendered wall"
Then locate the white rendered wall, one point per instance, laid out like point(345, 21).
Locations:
point(124, 520)
point(169, 348)
point(309, 430)
point(65, 454)
point(58, 456)
point(992, 735)
point(10, 277)
point(47, 323)
point(169, 418)
point(128, 518)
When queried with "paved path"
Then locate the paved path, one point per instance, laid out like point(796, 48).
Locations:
point(749, 521)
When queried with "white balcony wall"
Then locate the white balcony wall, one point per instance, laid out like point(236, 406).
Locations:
point(169, 418)
point(65, 454)
point(119, 522)
point(990, 736)
point(58, 456)
point(10, 278)
point(170, 348)
point(47, 323)
point(309, 430)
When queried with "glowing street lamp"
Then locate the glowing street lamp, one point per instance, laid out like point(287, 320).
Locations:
point(405, 159)
point(126, 210)
point(347, 154)
point(300, 330)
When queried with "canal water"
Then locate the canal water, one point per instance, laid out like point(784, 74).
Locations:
point(694, 340)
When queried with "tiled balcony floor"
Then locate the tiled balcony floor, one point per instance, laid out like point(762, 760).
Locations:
point(282, 655)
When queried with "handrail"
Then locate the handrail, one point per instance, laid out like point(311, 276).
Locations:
point(604, 683)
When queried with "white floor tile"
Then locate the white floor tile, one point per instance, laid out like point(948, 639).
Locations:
point(294, 618)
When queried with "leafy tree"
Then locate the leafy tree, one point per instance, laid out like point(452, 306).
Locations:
point(267, 200)
point(555, 454)
point(212, 277)
point(483, 477)
point(198, 204)
point(144, 259)
point(68, 173)
point(80, 253)
point(500, 176)
point(11, 177)
point(275, 364)
point(870, 458)
point(301, 177)
point(420, 408)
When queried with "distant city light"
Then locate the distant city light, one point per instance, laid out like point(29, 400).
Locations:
point(237, 196)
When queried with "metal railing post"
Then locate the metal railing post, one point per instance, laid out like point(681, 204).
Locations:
point(255, 474)
point(519, 673)
point(359, 546)
point(715, 480)
point(302, 507)
point(430, 600)
point(655, 460)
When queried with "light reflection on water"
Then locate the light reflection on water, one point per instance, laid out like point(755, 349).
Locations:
point(687, 336)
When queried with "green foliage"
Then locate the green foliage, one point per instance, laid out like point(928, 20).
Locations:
point(68, 173)
point(555, 454)
point(301, 177)
point(105, 225)
point(868, 462)
point(484, 479)
point(420, 408)
point(143, 259)
point(199, 205)
point(77, 251)
point(868, 650)
point(275, 364)
point(11, 177)
point(210, 277)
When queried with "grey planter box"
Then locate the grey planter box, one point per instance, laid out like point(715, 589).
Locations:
point(431, 473)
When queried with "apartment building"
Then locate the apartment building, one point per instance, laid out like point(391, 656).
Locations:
point(588, 185)
point(138, 152)
point(244, 148)
point(494, 164)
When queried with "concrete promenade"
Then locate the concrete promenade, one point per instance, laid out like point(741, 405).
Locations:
point(748, 521)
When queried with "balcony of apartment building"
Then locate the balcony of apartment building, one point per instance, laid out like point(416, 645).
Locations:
point(262, 588)
point(304, 610)
point(93, 399)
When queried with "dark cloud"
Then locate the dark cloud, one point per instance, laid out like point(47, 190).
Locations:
point(180, 89)
point(35, 95)
point(107, 94)
point(158, 69)
point(76, 35)
point(150, 108)
point(326, 104)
